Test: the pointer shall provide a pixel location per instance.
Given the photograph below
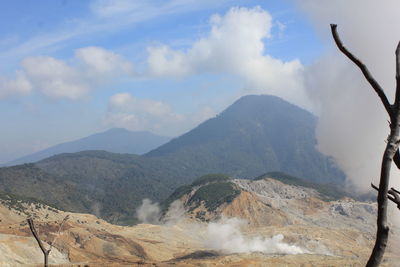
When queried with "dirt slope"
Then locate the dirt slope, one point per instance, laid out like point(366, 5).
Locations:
point(331, 233)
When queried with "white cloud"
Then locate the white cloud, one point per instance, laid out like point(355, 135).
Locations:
point(126, 102)
point(144, 10)
point(101, 61)
point(145, 114)
point(141, 114)
point(164, 61)
point(56, 78)
point(18, 86)
point(106, 16)
point(352, 122)
point(108, 8)
point(235, 45)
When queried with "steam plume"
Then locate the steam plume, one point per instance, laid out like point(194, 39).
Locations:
point(352, 122)
point(149, 212)
point(226, 236)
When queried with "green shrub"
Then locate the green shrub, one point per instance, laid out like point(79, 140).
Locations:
point(215, 194)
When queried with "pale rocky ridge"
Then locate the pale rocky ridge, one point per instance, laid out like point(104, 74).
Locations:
point(334, 233)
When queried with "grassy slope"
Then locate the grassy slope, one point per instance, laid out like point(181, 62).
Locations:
point(327, 191)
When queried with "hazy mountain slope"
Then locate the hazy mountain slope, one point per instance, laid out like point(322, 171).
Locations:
point(255, 135)
point(116, 183)
point(116, 140)
point(106, 184)
point(30, 181)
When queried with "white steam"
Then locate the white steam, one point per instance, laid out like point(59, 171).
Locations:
point(175, 214)
point(149, 212)
point(352, 121)
point(225, 236)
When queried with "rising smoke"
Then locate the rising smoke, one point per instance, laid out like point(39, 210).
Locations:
point(352, 122)
point(225, 236)
point(149, 212)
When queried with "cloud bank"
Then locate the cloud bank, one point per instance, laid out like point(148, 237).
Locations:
point(352, 121)
point(138, 114)
point(90, 67)
point(235, 45)
point(19, 86)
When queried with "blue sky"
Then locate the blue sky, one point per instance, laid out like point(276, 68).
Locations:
point(45, 100)
point(73, 68)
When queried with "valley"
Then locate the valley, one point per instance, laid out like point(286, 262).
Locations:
point(263, 222)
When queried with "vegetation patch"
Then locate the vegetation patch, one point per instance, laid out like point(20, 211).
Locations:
point(327, 191)
point(210, 178)
point(215, 194)
point(20, 203)
point(186, 189)
point(177, 194)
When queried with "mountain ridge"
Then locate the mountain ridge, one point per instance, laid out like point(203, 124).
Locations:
point(115, 140)
point(255, 135)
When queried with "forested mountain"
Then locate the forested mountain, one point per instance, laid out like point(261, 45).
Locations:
point(255, 135)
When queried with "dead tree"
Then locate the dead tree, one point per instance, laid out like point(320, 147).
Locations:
point(390, 154)
point(45, 251)
point(393, 195)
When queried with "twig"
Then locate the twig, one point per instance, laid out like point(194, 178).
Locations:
point(58, 232)
point(35, 234)
point(45, 251)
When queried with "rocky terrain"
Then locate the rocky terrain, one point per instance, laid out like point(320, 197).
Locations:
point(216, 221)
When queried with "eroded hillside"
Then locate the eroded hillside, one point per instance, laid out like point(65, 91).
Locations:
point(262, 222)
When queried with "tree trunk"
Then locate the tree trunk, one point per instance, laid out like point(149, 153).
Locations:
point(46, 258)
point(391, 151)
point(382, 233)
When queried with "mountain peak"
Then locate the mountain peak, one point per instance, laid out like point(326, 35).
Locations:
point(255, 135)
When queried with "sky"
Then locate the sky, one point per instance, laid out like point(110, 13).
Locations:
point(73, 68)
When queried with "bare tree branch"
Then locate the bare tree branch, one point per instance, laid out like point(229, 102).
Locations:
point(396, 159)
point(392, 198)
point(45, 251)
point(378, 89)
point(58, 232)
point(396, 197)
point(398, 192)
point(397, 98)
point(390, 154)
